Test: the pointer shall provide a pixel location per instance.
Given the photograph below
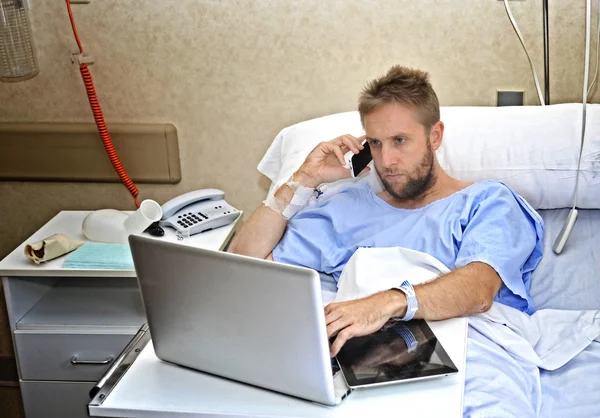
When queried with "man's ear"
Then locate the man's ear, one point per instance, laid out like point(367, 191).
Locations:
point(436, 135)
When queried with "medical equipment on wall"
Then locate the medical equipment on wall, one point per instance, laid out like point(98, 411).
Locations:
point(18, 60)
point(563, 236)
point(518, 32)
point(593, 83)
point(188, 214)
point(197, 211)
point(83, 61)
point(110, 225)
point(565, 232)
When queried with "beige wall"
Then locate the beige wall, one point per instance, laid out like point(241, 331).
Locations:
point(231, 73)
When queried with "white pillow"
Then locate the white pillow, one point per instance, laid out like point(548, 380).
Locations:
point(291, 146)
point(533, 149)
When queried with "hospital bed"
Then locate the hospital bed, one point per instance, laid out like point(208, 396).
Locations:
point(571, 281)
point(534, 150)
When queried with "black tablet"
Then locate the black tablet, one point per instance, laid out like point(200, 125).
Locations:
point(399, 351)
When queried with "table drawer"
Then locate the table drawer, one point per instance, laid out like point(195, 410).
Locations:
point(78, 357)
point(56, 399)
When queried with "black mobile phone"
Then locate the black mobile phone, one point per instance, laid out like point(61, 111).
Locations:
point(361, 160)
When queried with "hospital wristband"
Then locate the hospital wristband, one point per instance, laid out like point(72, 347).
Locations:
point(409, 338)
point(412, 304)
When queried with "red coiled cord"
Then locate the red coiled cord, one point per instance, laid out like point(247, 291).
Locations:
point(99, 118)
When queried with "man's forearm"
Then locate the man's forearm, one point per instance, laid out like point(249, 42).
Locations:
point(263, 230)
point(465, 291)
point(266, 226)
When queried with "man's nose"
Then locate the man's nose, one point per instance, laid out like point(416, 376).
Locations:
point(388, 158)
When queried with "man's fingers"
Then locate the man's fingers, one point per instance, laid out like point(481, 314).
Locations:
point(330, 307)
point(344, 149)
point(339, 154)
point(341, 145)
point(352, 143)
point(360, 140)
point(336, 326)
point(330, 147)
point(332, 315)
point(341, 339)
point(334, 305)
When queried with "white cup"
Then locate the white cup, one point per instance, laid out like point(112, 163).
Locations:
point(148, 212)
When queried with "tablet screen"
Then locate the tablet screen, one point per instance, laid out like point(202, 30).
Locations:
point(398, 351)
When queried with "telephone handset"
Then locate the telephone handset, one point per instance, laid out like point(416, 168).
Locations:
point(197, 211)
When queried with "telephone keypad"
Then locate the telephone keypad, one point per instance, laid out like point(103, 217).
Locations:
point(190, 219)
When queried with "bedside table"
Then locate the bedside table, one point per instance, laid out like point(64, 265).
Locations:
point(69, 325)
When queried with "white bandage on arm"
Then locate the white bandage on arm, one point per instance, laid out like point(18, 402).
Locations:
point(302, 195)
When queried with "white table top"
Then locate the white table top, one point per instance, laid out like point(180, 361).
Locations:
point(69, 224)
point(152, 388)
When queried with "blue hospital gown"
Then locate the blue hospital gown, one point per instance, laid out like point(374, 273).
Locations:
point(485, 222)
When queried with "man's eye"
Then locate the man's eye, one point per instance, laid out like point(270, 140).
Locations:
point(374, 142)
point(400, 140)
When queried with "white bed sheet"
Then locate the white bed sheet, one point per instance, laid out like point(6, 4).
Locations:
point(574, 389)
point(570, 280)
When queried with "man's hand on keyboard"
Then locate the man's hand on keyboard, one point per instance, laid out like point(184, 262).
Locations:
point(361, 317)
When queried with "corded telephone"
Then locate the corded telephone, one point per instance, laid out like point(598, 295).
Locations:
point(198, 211)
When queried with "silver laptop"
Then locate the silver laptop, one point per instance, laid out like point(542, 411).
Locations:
point(250, 320)
point(263, 323)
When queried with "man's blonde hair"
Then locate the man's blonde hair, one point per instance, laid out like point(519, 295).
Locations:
point(405, 86)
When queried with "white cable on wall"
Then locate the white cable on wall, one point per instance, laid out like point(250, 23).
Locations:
point(597, 50)
point(516, 28)
point(586, 73)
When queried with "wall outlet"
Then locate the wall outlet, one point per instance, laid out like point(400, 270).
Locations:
point(510, 97)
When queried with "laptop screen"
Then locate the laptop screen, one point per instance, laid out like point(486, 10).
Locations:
point(398, 351)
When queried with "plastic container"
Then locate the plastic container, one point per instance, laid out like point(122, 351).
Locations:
point(18, 60)
point(110, 225)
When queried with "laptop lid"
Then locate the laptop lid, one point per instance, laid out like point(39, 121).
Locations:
point(398, 352)
point(246, 319)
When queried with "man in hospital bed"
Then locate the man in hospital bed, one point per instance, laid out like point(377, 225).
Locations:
point(484, 232)
point(486, 235)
